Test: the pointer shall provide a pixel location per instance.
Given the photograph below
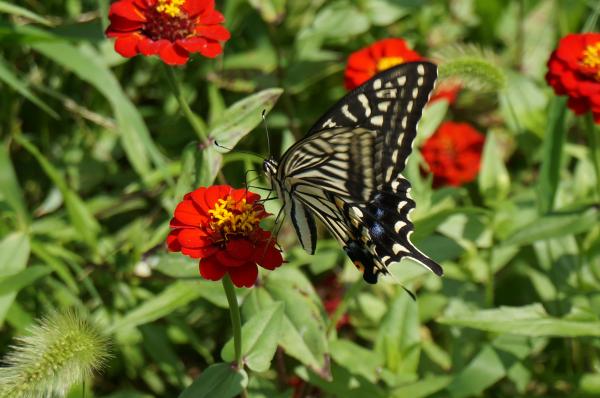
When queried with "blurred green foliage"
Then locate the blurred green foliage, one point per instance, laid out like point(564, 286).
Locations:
point(95, 154)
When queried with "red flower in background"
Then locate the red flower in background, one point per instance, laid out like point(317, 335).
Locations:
point(574, 70)
point(379, 56)
point(171, 29)
point(331, 292)
point(446, 90)
point(384, 54)
point(219, 225)
point(453, 153)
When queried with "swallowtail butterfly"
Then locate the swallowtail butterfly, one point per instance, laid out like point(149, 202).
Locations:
point(347, 171)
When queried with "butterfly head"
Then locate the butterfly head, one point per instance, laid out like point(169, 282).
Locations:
point(270, 167)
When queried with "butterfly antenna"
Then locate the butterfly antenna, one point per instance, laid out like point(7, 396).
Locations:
point(238, 150)
point(264, 118)
point(246, 180)
point(411, 294)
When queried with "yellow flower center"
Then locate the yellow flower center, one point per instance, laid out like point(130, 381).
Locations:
point(233, 217)
point(591, 58)
point(387, 62)
point(170, 7)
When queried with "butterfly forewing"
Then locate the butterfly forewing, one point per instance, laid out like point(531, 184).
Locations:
point(347, 171)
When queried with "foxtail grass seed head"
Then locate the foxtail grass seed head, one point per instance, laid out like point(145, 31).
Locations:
point(59, 351)
point(473, 67)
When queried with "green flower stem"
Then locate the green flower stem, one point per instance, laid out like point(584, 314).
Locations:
point(594, 144)
point(341, 309)
point(195, 121)
point(236, 322)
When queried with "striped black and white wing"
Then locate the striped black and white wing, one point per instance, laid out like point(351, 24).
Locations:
point(348, 170)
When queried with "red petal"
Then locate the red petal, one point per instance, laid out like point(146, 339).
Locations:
point(195, 7)
point(240, 249)
point(172, 242)
point(201, 252)
point(126, 9)
point(173, 55)
point(212, 49)
point(241, 193)
point(268, 256)
point(244, 276)
point(120, 27)
point(187, 213)
point(193, 238)
point(193, 44)
point(215, 32)
point(127, 45)
point(199, 197)
point(228, 261)
point(214, 193)
point(211, 17)
point(578, 105)
point(151, 47)
point(211, 269)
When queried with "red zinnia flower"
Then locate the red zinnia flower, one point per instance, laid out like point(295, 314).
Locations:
point(219, 225)
point(453, 153)
point(171, 29)
point(574, 70)
point(384, 54)
point(379, 56)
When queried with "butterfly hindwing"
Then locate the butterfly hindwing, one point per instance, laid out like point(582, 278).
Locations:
point(347, 171)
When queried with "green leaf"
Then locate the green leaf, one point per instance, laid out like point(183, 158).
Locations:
point(87, 65)
point(385, 12)
point(590, 384)
point(303, 329)
point(175, 296)
point(12, 9)
point(422, 388)
point(433, 115)
point(10, 190)
point(483, 371)
point(356, 359)
point(40, 250)
point(260, 335)
point(11, 80)
point(554, 226)
point(81, 218)
point(177, 266)
point(218, 380)
point(14, 283)
point(554, 140)
point(398, 339)
point(208, 164)
point(271, 11)
point(340, 20)
point(494, 181)
point(190, 169)
point(342, 383)
point(243, 116)
point(14, 254)
point(530, 320)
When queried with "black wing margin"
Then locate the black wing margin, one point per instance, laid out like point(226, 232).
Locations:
point(391, 104)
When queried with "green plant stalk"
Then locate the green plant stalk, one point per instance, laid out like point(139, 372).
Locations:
point(341, 309)
point(236, 323)
point(594, 145)
point(554, 140)
point(195, 121)
point(489, 286)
